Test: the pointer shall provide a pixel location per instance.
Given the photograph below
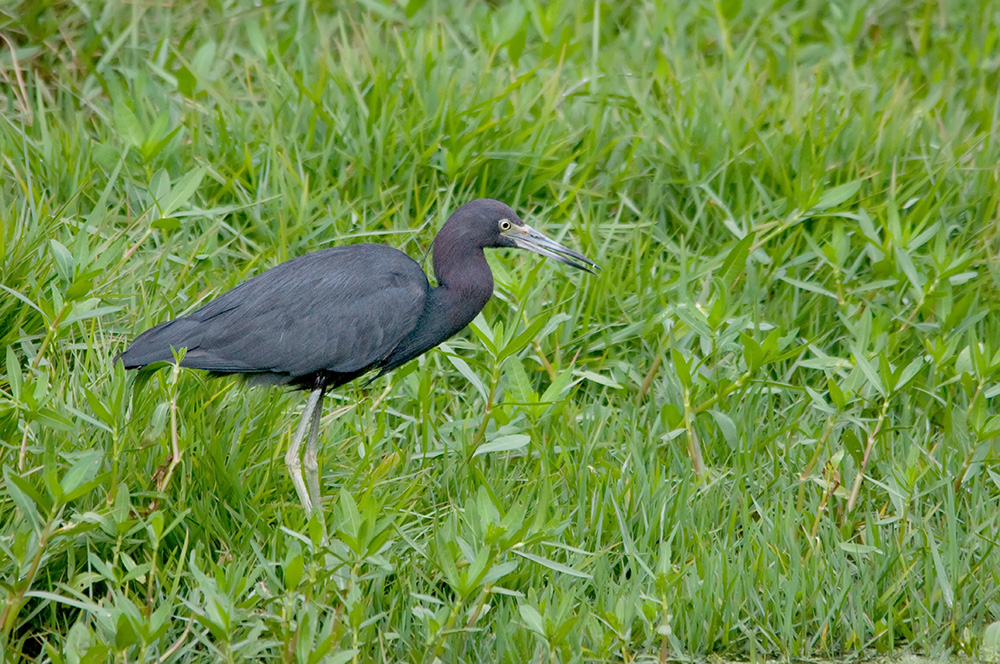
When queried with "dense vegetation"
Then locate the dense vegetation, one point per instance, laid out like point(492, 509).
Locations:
point(768, 427)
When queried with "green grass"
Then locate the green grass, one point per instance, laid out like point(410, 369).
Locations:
point(768, 427)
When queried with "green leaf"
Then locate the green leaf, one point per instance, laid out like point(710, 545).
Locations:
point(82, 471)
point(166, 224)
point(943, 582)
point(532, 618)
point(990, 650)
point(470, 375)
point(523, 339)
point(735, 261)
point(481, 329)
point(853, 446)
point(911, 370)
point(858, 549)
point(126, 124)
point(349, 508)
point(204, 59)
point(556, 387)
point(682, 368)
point(671, 417)
point(507, 443)
point(14, 377)
point(182, 191)
point(341, 656)
point(25, 497)
point(553, 565)
point(86, 311)
point(905, 263)
point(53, 420)
point(497, 572)
point(836, 394)
point(414, 6)
point(293, 569)
point(753, 354)
point(519, 382)
point(869, 371)
point(726, 426)
point(809, 286)
point(447, 562)
point(125, 635)
point(99, 408)
point(187, 84)
point(79, 288)
point(63, 259)
point(837, 196)
point(598, 378)
point(476, 571)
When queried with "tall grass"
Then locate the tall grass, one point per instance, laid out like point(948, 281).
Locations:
point(769, 427)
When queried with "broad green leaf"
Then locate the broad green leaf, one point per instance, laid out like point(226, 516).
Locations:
point(911, 370)
point(414, 6)
point(25, 497)
point(63, 259)
point(869, 371)
point(727, 427)
point(497, 572)
point(507, 443)
point(293, 569)
point(125, 634)
point(349, 508)
point(99, 408)
point(14, 378)
point(836, 394)
point(837, 196)
point(83, 470)
point(990, 650)
point(166, 224)
point(853, 446)
point(858, 549)
point(905, 263)
point(520, 383)
point(736, 259)
point(682, 367)
point(181, 192)
point(532, 618)
point(556, 387)
point(127, 125)
point(753, 354)
point(53, 420)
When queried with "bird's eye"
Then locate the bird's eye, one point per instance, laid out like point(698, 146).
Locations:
point(504, 225)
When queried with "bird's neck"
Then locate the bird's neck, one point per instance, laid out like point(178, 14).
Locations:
point(465, 285)
point(462, 292)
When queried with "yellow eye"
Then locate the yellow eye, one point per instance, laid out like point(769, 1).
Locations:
point(504, 225)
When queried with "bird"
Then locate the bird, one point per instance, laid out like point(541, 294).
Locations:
point(325, 318)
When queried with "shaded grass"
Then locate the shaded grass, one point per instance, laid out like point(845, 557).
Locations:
point(768, 426)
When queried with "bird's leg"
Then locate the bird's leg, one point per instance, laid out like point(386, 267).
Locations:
point(292, 456)
point(311, 465)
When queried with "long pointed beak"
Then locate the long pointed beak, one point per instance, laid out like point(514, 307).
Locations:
point(526, 237)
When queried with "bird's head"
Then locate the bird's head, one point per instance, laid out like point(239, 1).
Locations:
point(485, 222)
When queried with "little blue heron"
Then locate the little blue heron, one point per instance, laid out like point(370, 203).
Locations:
point(323, 319)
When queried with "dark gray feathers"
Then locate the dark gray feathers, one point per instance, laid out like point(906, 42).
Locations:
point(328, 311)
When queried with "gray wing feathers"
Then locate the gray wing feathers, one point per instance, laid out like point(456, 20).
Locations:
point(340, 309)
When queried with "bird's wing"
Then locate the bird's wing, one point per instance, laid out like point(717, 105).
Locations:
point(341, 309)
